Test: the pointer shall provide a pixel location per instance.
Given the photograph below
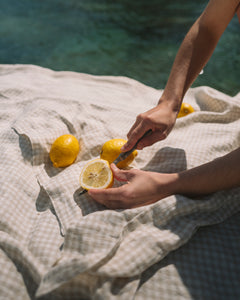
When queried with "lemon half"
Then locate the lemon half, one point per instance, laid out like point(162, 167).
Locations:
point(111, 150)
point(64, 150)
point(96, 174)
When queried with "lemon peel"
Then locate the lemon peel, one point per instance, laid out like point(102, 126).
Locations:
point(111, 150)
point(185, 110)
point(64, 150)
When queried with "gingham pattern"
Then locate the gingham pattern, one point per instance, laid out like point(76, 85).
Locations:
point(56, 244)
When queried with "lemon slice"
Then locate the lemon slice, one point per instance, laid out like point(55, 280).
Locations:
point(96, 174)
point(185, 110)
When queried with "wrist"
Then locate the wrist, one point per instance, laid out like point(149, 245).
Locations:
point(173, 103)
point(168, 184)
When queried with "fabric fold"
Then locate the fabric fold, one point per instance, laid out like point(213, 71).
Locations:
point(72, 246)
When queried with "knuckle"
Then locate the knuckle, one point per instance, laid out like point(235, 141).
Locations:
point(130, 174)
point(140, 117)
point(163, 135)
point(144, 117)
point(133, 172)
point(124, 195)
point(134, 135)
point(127, 195)
point(148, 118)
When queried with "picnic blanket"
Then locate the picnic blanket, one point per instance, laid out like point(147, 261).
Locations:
point(55, 244)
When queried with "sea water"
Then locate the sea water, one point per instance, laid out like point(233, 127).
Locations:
point(134, 38)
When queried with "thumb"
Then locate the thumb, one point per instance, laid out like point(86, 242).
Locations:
point(120, 175)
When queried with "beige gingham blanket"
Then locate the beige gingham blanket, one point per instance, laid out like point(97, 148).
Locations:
point(55, 244)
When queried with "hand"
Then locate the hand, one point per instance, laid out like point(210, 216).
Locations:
point(141, 188)
point(159, 119)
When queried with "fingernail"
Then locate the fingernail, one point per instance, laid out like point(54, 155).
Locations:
point(113, 166)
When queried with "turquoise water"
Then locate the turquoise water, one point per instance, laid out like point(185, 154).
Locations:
point(134, 38)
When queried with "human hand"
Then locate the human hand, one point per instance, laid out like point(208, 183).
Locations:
point(141, 188)
point(159, 119)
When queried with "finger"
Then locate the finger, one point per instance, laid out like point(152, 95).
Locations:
point(134, 126)
point(111, 197)
point(121, 175)
point(130, 143)
point(131, 134)
point(151, 139)
point(135, 135)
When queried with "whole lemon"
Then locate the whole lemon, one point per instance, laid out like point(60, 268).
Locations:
point(64, 150)
point(111, 150)
point(185, 110)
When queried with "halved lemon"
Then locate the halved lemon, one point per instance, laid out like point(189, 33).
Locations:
point(185, 110)
point(96, 174)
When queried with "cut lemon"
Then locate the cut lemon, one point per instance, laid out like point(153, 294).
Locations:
point(111, 150)
point(64, 151)
point(185, 110)
point(96, 174)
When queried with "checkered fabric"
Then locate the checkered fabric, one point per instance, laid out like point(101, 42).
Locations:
point(55, 244)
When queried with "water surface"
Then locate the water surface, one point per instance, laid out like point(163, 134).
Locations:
point(137, 38)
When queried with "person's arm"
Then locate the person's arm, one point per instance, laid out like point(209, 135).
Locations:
point(198, 46)
point(220, 174)
point(144, 187)
point(194, 52)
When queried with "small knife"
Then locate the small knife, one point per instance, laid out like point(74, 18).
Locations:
point(124, 155)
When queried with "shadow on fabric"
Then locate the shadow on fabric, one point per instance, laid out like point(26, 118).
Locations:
point(207, 265)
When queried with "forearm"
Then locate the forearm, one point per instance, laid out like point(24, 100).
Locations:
point(197, 48)
point(193, 54)
point(219, 174)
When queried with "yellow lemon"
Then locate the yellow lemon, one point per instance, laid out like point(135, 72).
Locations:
point(112, 148)
point(96, 174)
point(64, 150)
point(185, 110)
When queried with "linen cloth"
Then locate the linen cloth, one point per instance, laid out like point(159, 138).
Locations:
point(55, 244)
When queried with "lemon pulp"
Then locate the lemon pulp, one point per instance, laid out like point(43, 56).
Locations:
point(96, 174)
